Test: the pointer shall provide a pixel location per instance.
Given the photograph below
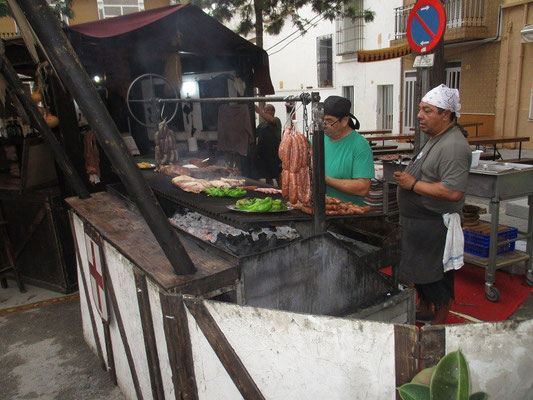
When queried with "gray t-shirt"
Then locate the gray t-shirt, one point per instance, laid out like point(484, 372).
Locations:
point(447, 161)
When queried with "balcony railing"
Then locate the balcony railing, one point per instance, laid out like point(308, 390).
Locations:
point(459, 13)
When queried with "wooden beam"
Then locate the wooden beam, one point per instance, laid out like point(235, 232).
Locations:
point(432, 345)
point(123, 337)
point(179, 347)
point(226, 354)
point(149, 335)
point(405, 353)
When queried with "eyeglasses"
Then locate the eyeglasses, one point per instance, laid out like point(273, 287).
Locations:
point(329, 123)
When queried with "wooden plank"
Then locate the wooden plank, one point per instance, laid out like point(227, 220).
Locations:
point(110, 356)
point(405, 353)
point(126, 230)
point(123, 337)
point(154, 371)
point(482, 140)
point(432, 341)
point(86, 293)
point(179, 347)
point(226, 354)
point(389, 137)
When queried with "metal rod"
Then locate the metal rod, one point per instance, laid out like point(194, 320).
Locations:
point(319, 178)
point(304, 98)
point(37, 120)
point(71, 72)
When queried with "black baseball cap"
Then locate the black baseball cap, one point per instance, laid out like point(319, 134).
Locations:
point(339, 107)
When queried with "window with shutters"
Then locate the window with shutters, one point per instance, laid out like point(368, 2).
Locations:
point(324, 57)
point(453, 74)
point(350, 32)
point(348, 93)
point(115, 8)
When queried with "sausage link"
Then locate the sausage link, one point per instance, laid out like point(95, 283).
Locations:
point(293, 188)
point(285, 178)
point(295, 155)
point(307, 188)
point(284, 149)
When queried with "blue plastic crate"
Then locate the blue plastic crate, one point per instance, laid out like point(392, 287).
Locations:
point(478, 244)
point(484, 240)
point(483, 251)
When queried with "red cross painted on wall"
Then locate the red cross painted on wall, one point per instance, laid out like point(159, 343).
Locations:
point(96, 276)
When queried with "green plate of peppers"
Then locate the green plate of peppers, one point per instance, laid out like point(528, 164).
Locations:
point(225, 192)
point(259, 205)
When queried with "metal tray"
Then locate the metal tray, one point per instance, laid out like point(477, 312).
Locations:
point(232, 207)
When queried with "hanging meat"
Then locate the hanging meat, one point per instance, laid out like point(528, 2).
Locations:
point(166, 151)
point(296, 163)
point(295, 176)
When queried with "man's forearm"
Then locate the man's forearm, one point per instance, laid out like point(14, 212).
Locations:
point(437, 190)
point(355, 187)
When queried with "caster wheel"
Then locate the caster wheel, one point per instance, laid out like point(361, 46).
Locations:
point(492, 294)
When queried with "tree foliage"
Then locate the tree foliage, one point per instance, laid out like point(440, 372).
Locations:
point(270, 15)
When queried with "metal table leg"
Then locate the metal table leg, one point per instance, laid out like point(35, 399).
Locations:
point(529, 242)
point(491, 292)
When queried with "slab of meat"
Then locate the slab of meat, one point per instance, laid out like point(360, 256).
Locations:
point(173, 169)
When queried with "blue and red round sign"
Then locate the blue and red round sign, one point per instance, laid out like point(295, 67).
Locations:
point(425, 25)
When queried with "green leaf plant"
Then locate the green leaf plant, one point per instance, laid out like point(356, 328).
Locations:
point(448, 380)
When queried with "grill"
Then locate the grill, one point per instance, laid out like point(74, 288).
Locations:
point(321, 274)
point(216, 208)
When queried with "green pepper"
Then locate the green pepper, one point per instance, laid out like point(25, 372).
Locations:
point(262, 205)
point(234, 192)
point(277, 205)
point(244, 204)
point(215, 192)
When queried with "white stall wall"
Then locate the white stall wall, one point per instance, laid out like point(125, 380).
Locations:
point(499, 357)
point(85, 303)
point(161, 342)
point(121, 272)
point(293, 64)
point(296, 356)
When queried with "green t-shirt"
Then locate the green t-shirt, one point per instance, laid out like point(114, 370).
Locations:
point(348, 158)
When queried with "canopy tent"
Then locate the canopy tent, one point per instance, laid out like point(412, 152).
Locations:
point(141, 42)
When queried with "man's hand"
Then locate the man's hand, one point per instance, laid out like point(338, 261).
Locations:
point(429, 189)
point(257, 110)
point(404, 180)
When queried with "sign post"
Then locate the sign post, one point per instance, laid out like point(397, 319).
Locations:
point(425, 28)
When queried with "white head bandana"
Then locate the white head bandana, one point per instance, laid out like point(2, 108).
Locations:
point(444, 97)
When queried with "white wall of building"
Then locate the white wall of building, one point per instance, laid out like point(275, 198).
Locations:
point(293, 64)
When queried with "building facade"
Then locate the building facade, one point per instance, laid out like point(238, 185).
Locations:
point(486, 59)
point(325, 60)
point(92, 10)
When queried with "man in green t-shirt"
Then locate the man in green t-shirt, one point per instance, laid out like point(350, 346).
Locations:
point(349, 164)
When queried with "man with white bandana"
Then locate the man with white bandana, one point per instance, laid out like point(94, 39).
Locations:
point(433, 185)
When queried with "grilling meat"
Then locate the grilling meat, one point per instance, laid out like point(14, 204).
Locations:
point(295, 177)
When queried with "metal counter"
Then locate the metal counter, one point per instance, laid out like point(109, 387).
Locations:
point(499, 181)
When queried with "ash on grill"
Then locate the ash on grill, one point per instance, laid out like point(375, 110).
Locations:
point(237, 241)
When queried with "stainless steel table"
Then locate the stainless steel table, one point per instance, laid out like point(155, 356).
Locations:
point(499, 181)
point(495, 181)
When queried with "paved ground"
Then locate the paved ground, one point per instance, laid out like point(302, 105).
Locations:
point(43, 356)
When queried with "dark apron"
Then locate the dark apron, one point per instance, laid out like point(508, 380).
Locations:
point(423, 231)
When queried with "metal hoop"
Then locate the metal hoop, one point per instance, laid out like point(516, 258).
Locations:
point(152, 77)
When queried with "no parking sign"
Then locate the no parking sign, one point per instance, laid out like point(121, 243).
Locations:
point(425, 25)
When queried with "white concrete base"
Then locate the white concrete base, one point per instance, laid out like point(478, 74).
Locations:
point(517, 208)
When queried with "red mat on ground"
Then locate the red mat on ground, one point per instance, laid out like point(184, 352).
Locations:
point(470, 295)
